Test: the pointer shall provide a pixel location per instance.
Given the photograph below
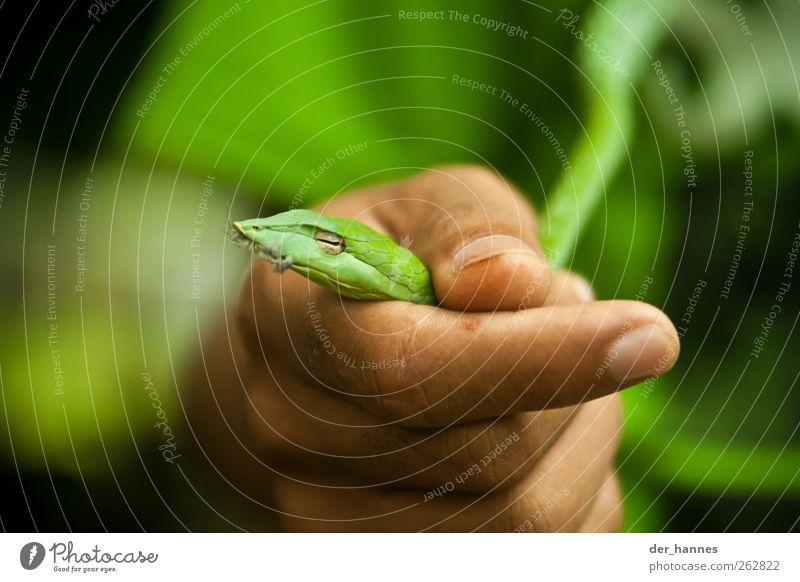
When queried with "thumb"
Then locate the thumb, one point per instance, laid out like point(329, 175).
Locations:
point(478, 242)
point(490, 271)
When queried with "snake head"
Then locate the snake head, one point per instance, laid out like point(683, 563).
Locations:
point(339, 253)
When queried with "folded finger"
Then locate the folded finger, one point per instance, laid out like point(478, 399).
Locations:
point(554, 496)
point(302, 431)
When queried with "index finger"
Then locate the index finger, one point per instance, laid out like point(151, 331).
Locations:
point(422, 366)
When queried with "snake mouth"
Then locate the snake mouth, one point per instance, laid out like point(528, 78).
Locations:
point(237, 236)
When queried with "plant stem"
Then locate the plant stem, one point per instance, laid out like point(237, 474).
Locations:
point(627, 31)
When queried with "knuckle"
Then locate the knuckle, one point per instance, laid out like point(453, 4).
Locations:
point(485, 201)
point(474, 176)
point(479, 181)
point(482, 180)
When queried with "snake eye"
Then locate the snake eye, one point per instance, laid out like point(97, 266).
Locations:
point(329, 242)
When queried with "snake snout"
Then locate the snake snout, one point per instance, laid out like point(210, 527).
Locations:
point(237, 236)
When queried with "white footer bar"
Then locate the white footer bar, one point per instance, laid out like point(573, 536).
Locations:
point(401, 557)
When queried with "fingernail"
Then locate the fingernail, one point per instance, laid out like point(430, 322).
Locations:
point(641, 353)
point(488, 247)
point(583, 290)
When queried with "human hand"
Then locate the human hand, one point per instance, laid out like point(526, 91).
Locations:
point(496, 411)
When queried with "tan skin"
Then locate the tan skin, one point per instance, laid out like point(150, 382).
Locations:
point(309, 410)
